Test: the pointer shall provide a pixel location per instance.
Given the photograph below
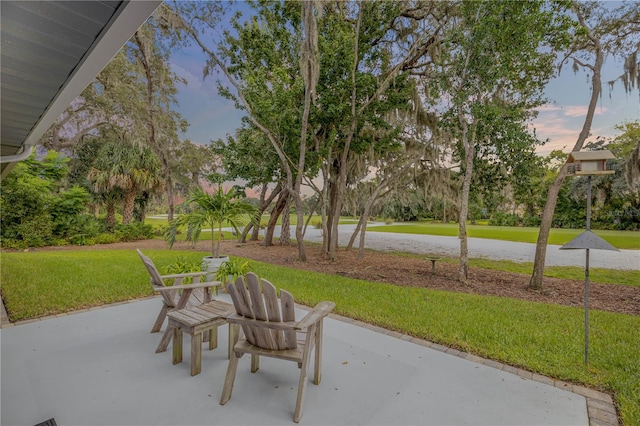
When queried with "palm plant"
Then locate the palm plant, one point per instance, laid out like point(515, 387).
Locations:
point(120, 173)
point(212, 211)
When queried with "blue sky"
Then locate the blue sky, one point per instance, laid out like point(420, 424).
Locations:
point(562, 120)
point(212, 117)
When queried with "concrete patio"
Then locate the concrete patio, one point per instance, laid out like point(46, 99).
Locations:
point(98, 367)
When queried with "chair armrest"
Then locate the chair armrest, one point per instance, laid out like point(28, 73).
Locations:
point(186, 274)
point(320, 311)
point(187, 286)
point(239, 319)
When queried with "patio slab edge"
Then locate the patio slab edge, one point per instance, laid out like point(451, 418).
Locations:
point(600, 406)
point(4, 318)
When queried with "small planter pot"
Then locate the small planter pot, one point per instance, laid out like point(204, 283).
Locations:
point(211, 265)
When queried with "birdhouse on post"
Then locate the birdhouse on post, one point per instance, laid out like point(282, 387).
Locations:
point(585, 163)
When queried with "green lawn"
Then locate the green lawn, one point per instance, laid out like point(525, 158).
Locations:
point(620, 239)
point(542, 338)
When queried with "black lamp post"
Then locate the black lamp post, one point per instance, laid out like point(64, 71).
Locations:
point(588, 164)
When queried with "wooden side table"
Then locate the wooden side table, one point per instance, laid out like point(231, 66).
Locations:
point(195, 321)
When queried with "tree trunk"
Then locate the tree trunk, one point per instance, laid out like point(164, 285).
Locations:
point(310, 68)
point(363, 229)
point(285, 231)
point(300, 229)
point(336, 204)
point(361, 223)
point(275, 213)
point(327, 223)
point(169, 183)
point(111, 215)
point(537, 275)
point(264, 204)
point(151, 128)
point(128, 205)
point(469, 154)
point(323, 214)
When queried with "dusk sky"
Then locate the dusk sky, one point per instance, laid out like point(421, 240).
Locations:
point(212, 117)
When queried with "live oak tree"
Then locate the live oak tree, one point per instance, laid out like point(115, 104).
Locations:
point(492, 79)
point(134, 93)
point(105, 102)
point(629, 137)
point(161, 124)
point(598, 33)
point(367, 53)
point(396, 166)
point(268, 73)
point(249, 156)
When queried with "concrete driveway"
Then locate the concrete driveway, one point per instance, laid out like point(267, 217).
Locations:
point(484, 248)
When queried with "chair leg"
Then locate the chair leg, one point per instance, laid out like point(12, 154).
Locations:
point(255, 363)
point(234, 334)
point(166, 339)
point(302, 384)
point(317, 370)
point(161, 316)
point(229, 378)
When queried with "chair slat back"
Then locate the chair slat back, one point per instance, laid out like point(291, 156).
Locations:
point(156, 281)
point(262, 305)
point(288, 314)
point(257, 302)
point(240, 298)
point(273, 312)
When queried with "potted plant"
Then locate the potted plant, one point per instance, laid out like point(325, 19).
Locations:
point(212, 211)
point(230, 270)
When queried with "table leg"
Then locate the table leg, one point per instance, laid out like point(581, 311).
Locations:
point(177, 345)
point(213, 338)
point(196, 353)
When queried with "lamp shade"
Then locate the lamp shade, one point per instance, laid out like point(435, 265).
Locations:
point(588, 240)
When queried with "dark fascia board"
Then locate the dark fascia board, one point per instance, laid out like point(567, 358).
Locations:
point(124, 23)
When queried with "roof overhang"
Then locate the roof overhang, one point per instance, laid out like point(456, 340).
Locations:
point(51, 51)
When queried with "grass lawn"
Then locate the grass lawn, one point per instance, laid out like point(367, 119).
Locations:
point(620, 239)
point(542, 338)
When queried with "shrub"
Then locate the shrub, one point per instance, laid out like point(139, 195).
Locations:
point(317, 224)
point(104, 238)
point(533, 221)
point(37, 231)
point(504, 219)
point(388, 220)
point(79, 228)
point(160, 230)
point(11, 244)
point(133, 231)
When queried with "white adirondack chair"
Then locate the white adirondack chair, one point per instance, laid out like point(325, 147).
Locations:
point(270, 329)
point(176, 296)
